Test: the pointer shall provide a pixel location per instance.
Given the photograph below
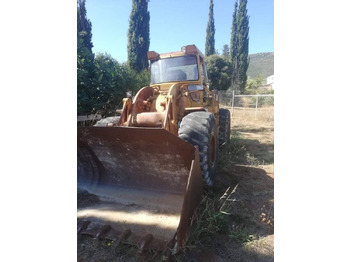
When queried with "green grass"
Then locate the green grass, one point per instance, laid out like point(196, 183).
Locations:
point(209, 223)
point(242, 235)
point(232, 153)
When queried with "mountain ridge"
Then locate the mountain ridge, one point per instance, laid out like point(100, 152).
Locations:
point(261, 63)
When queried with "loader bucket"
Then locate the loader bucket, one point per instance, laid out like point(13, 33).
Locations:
point(137, 185)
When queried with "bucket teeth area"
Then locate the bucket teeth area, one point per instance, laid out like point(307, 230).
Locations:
point(145, 241)
point(102, 233)
point(83, 226)
point(124, 236)
point(107, 232)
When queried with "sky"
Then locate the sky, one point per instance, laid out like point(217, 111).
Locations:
point(174, 24)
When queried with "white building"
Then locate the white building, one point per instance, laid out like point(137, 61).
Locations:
point(270, 81)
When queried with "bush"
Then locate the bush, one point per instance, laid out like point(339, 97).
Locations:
point(112, 81)
point(219, 72)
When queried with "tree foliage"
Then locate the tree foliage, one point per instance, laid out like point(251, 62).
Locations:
point(102, 81)
point(240, 45)
point(85, 62)
point(243, 43)
point(256, 86)
point(226, 52)
point(210, 38)
point(254, 83)
point(219, 72)
point(234, 49)
point(84, 25)
point(113, 81)
point(138, 35)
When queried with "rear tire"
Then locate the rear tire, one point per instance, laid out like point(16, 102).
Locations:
point(224, 126)
point(199, 129)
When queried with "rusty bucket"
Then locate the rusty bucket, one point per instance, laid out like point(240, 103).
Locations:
point(137, 185)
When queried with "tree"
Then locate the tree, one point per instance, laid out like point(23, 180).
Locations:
point(254, 83)
point(233, 49)
point(219, 72)
point(226, 52)
point(210, 39)
point(84, 25)
point(85, 62)
point(113, 80)
point(138, 35)
point(243, 43)
point(106, 71)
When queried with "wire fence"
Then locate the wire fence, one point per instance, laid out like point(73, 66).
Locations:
point(257, 102)
point(230, 99)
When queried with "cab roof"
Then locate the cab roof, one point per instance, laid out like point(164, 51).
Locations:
point(185, 50)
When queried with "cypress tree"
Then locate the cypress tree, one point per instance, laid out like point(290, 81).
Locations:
point(226, 52)
point(243, 43)
point(138, 35)
point(210, 39)
point(233, 49)
point(84, 25)
point(85, 62)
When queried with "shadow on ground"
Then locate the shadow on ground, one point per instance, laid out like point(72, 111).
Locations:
point(248, 197)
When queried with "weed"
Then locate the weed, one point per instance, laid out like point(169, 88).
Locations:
point(233, 153)
point(242, 236)
point(252, 160)
point(209, 223)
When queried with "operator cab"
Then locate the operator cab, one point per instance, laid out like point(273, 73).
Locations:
point(174, 69)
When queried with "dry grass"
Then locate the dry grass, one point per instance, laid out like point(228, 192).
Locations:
point(254, 130)
point(253, 171)
point(249, 118)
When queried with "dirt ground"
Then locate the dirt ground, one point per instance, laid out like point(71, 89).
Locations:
point(237, 214)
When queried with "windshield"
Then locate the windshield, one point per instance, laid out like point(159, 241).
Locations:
point(182, 68)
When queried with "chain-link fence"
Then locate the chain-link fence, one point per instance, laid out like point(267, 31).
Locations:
point(230, 99)
point(248, 108)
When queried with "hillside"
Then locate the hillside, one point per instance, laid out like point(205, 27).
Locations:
point(261, 63)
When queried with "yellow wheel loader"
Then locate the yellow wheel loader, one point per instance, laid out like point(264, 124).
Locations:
point(140, 175)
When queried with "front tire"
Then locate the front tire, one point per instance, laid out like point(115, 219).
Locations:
point(200, 129)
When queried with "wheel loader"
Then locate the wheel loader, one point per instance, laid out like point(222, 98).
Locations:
point(140, 175)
